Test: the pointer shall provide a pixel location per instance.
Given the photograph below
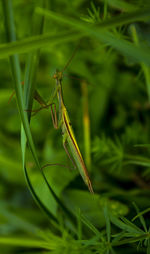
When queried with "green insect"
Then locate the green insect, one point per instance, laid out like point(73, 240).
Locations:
point(64, 123)
point(68, 134)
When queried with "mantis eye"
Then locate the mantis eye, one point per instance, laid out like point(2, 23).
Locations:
point(55, 76)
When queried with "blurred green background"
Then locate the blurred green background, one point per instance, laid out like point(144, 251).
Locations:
point(106, 90)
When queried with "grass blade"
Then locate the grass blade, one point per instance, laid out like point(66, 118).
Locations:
point(24, 242)
point(128, 49)
point(15, 67)
point(36, 42)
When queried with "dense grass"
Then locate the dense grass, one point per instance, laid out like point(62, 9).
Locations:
point(108, 101)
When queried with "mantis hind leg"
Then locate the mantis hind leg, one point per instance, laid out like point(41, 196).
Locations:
point(67, 151)
point(54, 116)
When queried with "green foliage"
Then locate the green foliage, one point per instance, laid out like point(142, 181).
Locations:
point(108, 103)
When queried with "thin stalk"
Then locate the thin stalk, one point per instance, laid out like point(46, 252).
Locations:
point(86, 125)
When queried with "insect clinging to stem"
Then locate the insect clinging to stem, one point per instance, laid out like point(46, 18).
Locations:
point(64, 123)
point(67, 131)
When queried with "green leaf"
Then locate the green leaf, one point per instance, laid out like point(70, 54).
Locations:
point(140, 217)
point(140, 54)
point(131, 240)
point(108, 225)
point(122, 5)
point(126, 225)
point(36, 42)
point(26, 242)
point(140, 214)
point(92, 206)
point(17, 221)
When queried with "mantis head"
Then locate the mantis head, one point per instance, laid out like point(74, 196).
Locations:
point(58, 75)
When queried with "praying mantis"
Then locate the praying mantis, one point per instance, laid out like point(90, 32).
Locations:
point(64, 123)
